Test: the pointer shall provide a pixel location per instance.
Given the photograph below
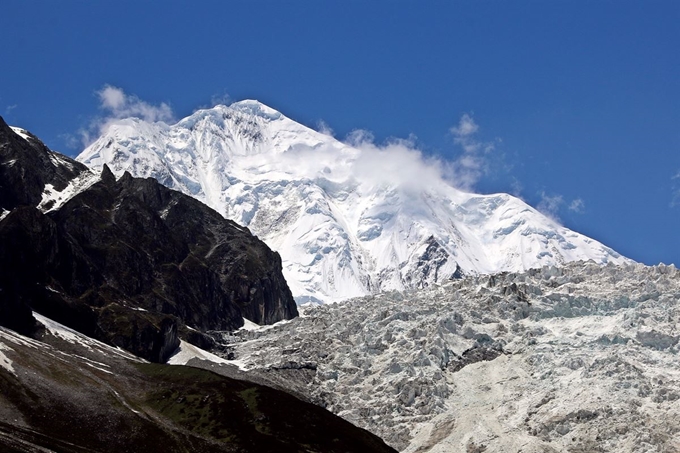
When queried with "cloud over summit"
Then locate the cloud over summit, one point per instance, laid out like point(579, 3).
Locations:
point(115, 104)
point(474, 163)
point(118, 104)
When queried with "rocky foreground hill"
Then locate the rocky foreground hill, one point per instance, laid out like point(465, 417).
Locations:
point(66, 392)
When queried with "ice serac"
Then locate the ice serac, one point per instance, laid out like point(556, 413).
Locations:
point(575, 358)
point(344, 223)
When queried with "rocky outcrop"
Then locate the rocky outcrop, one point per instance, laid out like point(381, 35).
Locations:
point(27, 166)
point(127, 261)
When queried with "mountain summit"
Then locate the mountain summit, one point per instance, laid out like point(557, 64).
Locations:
point(348, 220)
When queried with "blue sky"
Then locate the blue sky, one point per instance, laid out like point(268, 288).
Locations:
point(579, 100)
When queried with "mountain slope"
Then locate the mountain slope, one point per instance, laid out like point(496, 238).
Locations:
point(347, 221)
point(69, 393)
point(128, 261)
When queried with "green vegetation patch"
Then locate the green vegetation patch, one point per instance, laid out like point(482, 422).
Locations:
point(247, 416)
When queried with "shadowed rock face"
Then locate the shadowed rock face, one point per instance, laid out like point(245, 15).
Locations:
point(129, 262)
point(27, 165)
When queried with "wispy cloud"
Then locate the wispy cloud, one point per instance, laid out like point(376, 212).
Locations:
point(675, 200)
point(119, 105)
point(466, 127)
point(9, 108)
point(220, 99)
point(516, 187)
point(397, 163)
point(552, 204)
point(578, 206)
point(359, 137)
point(115, 105)
point(216, 99)
point(324, 128)
point(474, 163)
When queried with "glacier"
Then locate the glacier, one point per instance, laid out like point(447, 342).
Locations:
point(576, 358)
point(348, 219)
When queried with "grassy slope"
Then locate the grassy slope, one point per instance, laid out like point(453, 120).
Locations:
point(69, 398)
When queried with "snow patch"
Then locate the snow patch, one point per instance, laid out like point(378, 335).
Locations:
point(53, 199)
point(249, 325)
point(23, 133)
point(188, 351)
point(6, 362)
point(13, 337)
point(72, 336)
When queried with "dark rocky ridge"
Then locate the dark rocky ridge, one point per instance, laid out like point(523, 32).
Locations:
point(128, 262)
point(26, 166)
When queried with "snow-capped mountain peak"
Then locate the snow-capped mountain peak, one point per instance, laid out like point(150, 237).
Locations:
point(348, 220)
point(256, 108)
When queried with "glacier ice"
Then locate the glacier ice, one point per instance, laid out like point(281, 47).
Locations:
point(576, 358)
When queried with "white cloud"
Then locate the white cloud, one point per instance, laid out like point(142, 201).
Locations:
point(116, 105)
point(119, 105)
point(398, 163)
point(577, 205)
point(362, 164)
point(550, 205)
point(675, 200)
point(324, 128)
point(111, 97)
point(9, 108)
point(220, 99)
point(474, 163)
point(466, 126)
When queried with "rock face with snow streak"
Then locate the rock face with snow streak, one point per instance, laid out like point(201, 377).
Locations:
point(347, 220)
point(575, 358)
point(30, 172)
